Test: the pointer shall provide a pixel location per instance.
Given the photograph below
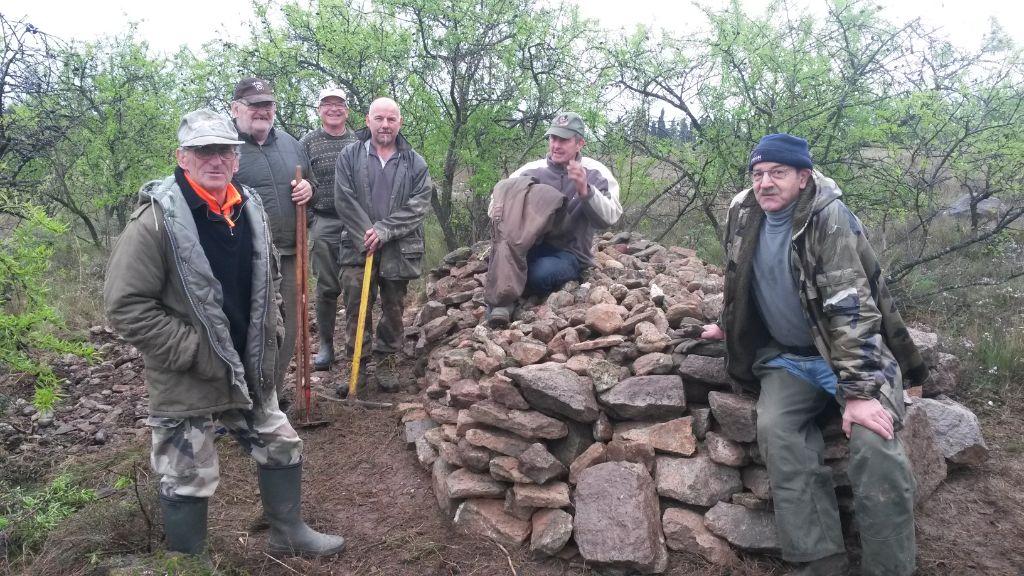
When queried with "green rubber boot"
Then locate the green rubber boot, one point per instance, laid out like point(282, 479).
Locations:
point(281, 488)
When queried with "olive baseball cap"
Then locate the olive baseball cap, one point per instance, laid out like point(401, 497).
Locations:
point(253, 90)
point(204, 127)
point(567, 125)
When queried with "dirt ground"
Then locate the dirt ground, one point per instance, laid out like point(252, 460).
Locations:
point(363, 482)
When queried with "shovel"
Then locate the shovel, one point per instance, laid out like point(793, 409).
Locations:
point(304, 402)
point(364, 304)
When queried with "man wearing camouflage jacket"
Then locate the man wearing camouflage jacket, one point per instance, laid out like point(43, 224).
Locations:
point(807, 318)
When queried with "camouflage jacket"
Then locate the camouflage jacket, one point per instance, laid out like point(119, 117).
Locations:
point(853, 319)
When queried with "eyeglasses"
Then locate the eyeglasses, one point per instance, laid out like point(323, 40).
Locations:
point(329, 106)
point(776, 174)
point(258, 105)
point(208, 152)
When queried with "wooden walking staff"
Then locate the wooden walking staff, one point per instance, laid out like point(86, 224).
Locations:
point(304, 401)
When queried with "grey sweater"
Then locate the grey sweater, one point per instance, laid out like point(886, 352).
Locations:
point(775, 289)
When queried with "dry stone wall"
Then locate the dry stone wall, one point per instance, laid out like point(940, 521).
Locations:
point(600, 425)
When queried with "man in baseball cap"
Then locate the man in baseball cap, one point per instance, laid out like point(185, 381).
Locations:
point(591, 202)
point(191, 283)
point(322, 147)
point(267, 164)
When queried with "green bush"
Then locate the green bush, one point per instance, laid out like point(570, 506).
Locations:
point(28, 323)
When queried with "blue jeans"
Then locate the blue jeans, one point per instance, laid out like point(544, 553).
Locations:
point(813, 369)
point(547, 268)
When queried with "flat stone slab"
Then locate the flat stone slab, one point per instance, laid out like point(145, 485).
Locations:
point(672, 437)
point(550, 495)
point(926, 459)
point(499, 441)
point(526, 423)
point(557, 391)
point(464, 483)
point(646, 398)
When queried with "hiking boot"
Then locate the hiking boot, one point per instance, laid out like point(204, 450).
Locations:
point(834, 565)
point(281, 491)
point(499, 316)
point(366, 378)
point(185, 521)
point(325, 326)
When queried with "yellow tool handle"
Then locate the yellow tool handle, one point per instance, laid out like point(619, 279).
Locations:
point(364, 298)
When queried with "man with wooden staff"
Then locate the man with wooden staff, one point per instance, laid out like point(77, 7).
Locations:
point(267, 165)
point(192, 283)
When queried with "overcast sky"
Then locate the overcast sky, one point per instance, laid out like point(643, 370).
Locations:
point(168, 24)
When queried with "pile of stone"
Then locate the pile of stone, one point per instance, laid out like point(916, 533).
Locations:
point(600, 425)
point(99, 403)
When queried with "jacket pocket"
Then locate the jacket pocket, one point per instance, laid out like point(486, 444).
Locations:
point(208, 365)
point(838, 291)
point(411, 248)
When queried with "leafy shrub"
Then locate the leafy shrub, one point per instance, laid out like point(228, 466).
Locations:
point(27, 321)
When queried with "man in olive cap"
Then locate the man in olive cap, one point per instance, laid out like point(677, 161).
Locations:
point(591, 202)
point(267, 165)
point(192, 284)
point(322, 147)
point(808, 322)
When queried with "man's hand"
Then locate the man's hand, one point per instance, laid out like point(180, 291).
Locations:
point(302, 191)
point(371, 241)
point(712, 332)
point(578, 174)
point(869, 414)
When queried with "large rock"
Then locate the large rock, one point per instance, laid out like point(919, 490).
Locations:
point(926, 460)
point(556, 391)
point(653, 363)
point(957, 430)
point(552, 529)
point(646, 398)
point(528, 424)
point(697, 481)
point(672, 437)
point(736, 414)
point(506, 469)
point(488, 519)
point(618, 522)
point(927, 344)
point(685, 532)
point(746, 529)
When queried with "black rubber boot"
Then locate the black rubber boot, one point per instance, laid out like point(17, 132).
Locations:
point(281, 489)
point(325, 327)
point(185, 523)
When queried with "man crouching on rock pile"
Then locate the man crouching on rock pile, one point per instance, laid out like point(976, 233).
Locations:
point(543, 219)
point(808, 319)
point(192, 283)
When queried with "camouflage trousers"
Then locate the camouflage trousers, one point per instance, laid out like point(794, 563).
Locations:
point(390, 331)
point(185, 456)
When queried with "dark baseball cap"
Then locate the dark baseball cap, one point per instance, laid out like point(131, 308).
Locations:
point(253, 90)
point(567, 125)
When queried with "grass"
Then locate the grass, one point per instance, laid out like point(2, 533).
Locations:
point(29, 515)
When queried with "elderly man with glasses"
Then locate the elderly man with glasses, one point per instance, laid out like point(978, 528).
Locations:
point(323, 146)
point(269, 158)
point(192, 284)
point(808, 322)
